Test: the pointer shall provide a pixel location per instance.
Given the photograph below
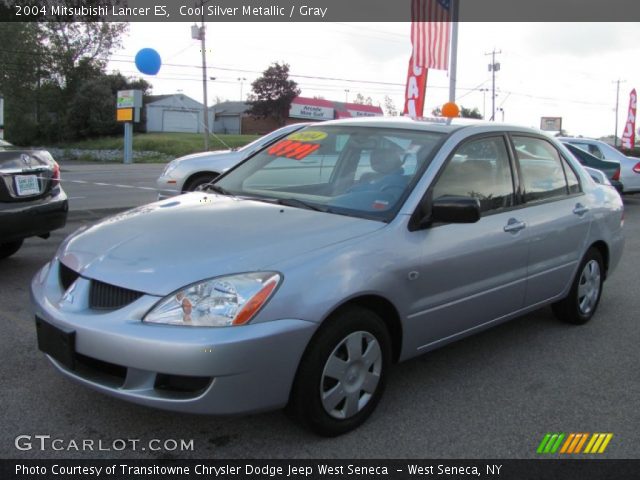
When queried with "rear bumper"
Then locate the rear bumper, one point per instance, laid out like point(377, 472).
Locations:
point(29, 219)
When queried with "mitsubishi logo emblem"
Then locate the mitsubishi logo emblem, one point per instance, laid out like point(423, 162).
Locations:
point(25, 159)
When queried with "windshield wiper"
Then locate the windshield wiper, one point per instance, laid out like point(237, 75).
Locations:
point(294, 202)
point(216, 188)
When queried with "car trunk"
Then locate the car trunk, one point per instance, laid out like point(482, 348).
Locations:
point(25, 175)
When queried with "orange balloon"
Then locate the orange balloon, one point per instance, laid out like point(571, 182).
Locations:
point(450, 110)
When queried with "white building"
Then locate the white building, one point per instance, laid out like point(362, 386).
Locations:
point(174, 113)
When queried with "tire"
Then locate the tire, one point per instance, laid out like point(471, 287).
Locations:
point(8, 249)
point(356, 345)
point(198, 182)
point(580, 305)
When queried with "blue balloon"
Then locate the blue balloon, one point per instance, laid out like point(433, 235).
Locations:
point(148, 61)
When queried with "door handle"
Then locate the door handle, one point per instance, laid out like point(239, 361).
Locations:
point(514, 226)
point(580, 209)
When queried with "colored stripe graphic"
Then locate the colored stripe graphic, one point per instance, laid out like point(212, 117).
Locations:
point(550, 443)
point(598, 443)
point(572, 443)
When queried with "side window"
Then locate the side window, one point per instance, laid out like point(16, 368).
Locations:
point(572, 179)
point(592, 149)
point(479, 168)
point(543, 174)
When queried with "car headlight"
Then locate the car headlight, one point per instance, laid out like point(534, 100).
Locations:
point(219, 302)
point(171, 166)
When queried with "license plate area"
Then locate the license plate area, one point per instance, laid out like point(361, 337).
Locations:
point(27, 185)
point(57, 342)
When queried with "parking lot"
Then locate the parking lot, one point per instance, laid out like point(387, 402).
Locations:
point(494, 395)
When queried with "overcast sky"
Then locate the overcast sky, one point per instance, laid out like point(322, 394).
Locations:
point(547, 69)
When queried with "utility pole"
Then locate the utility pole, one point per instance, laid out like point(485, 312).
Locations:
point(484, 102)
point(199, 34)
point(346, 95)
point(615, 136)
point(493, 68)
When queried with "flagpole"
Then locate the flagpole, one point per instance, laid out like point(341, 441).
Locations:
point(453, 63)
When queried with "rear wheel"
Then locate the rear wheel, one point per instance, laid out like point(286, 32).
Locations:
point(8, 249)
point(198, 183)
point(342, 374)
point(581, 303)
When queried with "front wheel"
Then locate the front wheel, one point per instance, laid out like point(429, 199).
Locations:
point(8, 249)
point(198, 184)
point(342, 374)
point(581, 303)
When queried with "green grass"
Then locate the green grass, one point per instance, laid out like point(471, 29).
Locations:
point(166, 144)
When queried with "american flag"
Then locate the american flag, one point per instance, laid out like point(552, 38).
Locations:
point(431, 33)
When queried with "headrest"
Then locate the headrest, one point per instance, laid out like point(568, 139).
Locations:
point(385, 160)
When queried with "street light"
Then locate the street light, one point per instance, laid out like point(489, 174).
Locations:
point(241, 80)
point(346, 95)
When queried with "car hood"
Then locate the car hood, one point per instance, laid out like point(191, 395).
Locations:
point(163, 246)
point(209, 156)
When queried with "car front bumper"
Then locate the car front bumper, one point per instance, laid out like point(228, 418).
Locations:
point(236, 369)
point(168, 187)
point(20, 220)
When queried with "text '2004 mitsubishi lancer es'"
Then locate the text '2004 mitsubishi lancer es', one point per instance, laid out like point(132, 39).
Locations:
point(310, 267)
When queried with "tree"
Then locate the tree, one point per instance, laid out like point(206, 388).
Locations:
point(361, 100)
point(468, 113)
point(70, 43)
point(44, 67)
point(273, 93)
point(390, 107)
point(464, 112)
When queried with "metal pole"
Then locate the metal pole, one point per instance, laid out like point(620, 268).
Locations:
point(492, 68)
point(453, 65)
point(204, 81)
point(615, 136)
point(128, 142)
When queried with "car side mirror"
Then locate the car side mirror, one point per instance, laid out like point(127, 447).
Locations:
point(448, 209)
point(451, 209)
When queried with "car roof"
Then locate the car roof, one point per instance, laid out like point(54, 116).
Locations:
point(435, 124)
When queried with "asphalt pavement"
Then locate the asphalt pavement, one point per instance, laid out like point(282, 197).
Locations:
point(107, 186)
point(494, 395)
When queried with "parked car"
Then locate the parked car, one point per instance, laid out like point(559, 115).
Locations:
point(191, 172)
point(599, 176)
point(629, 166)
point(284, 285)
point(610, 169)
point(32, 202)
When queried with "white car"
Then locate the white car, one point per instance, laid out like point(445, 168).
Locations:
point(629, 166)
point(191, 172)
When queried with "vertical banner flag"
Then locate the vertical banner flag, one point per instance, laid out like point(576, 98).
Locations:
point(629, 134)
point(430, 37)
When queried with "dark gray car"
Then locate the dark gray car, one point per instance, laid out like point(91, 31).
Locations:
point(32, 203)
point(312, 266)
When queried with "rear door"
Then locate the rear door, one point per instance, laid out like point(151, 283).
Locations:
point(556, 216)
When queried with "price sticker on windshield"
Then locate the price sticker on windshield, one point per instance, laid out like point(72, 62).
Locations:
point(293, 149)
point(308, 136)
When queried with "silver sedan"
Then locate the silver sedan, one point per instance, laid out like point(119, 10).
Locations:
point(304, 272)
point(191, 172)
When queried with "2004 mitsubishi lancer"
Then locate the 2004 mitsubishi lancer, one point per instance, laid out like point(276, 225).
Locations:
point(310, 267)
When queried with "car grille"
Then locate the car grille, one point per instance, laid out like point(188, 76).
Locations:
point(66, 276)
point(103, 296)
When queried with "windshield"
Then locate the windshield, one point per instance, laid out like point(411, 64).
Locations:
point(359, 171)
point(268, 137)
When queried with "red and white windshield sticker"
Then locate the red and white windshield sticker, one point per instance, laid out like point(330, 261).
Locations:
point(293, 149)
